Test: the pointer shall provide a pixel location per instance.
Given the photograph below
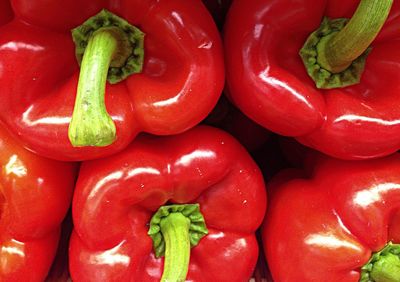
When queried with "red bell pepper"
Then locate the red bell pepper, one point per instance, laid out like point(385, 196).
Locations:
point(268, 81)
point(35, 194)
point(335, 221)
point(172, 71)
point(116, 200)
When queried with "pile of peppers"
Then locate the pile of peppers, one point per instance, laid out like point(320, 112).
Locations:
point(139, 140)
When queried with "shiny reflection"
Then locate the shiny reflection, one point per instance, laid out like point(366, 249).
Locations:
point(12, 256)
point(40, 181)
point(111, 177)
point(186, 160)
point(238, 245)
point(374, 194)
point(16, 167)
point(329, 241)
point(257, 32)
point(178, 18)
point(111, 257)
point(358, 119)
point(276, 83)
point(54, 120)
point(215, 236)
point(14, 247)
point(205, 45)
point(185, 89)
point(16, 46)
point(142, 170)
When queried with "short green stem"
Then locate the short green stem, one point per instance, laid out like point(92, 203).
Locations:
point(175, 230)
point(384, 266)
point(345, 46)
point(91, 125)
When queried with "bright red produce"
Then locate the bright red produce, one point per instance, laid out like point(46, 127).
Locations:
point(35, 194)
point(268, 81)
point(335, 221)
point(202, 174)
point(170, 84)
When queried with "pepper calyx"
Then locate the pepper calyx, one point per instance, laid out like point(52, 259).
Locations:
point(314, 61)
point(197, 228)
point(128, 58)
point(383, 266)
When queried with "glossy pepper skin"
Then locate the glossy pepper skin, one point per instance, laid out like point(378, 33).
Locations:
point(181, 81)
point(35, 194)
point(268, 81)
point(323, 223)
point(116, 197)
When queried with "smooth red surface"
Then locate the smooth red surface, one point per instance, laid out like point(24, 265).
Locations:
point(268, 82)
point(116, 197)
point(323, 223)
point(5, 11)
point(35, 194)
point(181, 81)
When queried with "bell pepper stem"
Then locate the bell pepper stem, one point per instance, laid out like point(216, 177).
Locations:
point(387, 269)
point(90, 123)
point(338, 52)
point(335, 54)
point(108, 48)
point(384, 266)
point(175, 230)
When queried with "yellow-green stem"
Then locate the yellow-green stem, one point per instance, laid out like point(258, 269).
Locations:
point(175, 230)
point(91, 125)
point(345, 46)
point(383, 266)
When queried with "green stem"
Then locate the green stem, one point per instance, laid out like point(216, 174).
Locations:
point(342, 48)
point(175, 230)
point(387, 269)
point(90, 123)
point(384, 266)
point(108, 48)
point(335, 54)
